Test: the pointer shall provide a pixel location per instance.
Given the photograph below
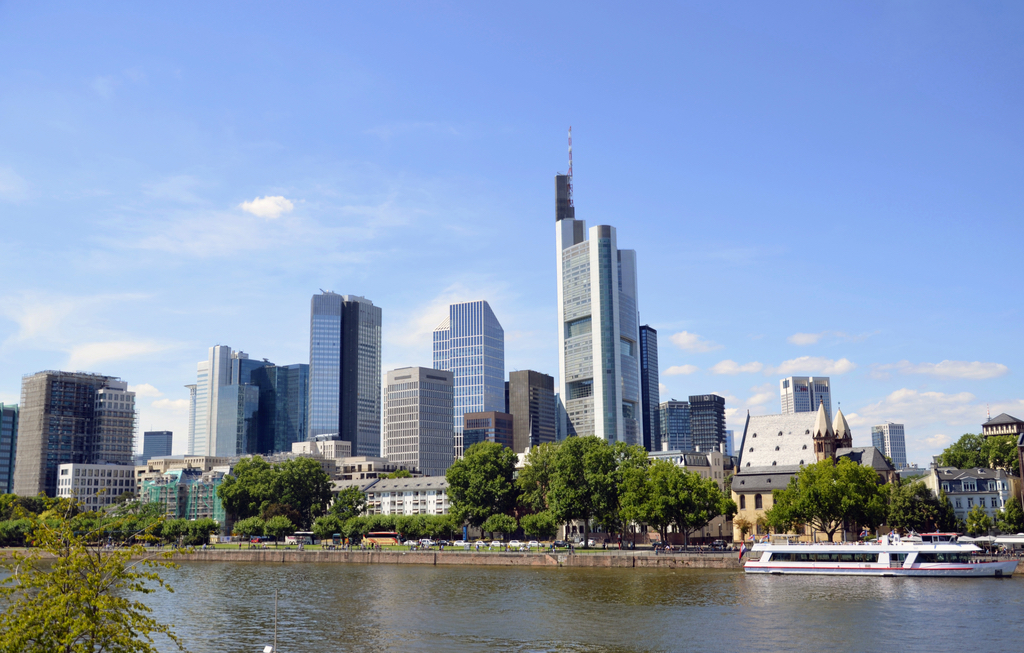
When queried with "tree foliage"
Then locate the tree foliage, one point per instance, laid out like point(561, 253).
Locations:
point(912, 506)
point(534, 479)
point(684, 499)
point(541, 525)
point(1010, 519)
point(300, 486)
point(978, 521)
point(399, 473)
point(972, 450)
point(348, 503)
point(583, 483)
point(482, 484)
point(279, 526)
point(250, 527)
point(499, 523)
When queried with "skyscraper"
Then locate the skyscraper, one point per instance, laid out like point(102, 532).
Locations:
point(71, 417)
point(283, 406)
point(418, 426)
point(470, 343)
point(803, 394)
point(649, 389)
point(490, 426)
point(707, 422)
point(674, 423)
point(156, 443)
point(221, 369)
point(8, 446)
point(889, 439)
point(344, 370)
point(598, 332)
point(530, 399)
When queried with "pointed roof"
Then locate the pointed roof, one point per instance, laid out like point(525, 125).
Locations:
point(839, 425)
point(821, 425)
point(1003, 418)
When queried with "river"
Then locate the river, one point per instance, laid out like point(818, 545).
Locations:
point(228, 607)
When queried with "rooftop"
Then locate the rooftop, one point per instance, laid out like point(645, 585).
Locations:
point(778, 440)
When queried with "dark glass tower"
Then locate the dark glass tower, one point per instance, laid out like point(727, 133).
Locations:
point(530, 399)
point(284, 402)
point(707, 422)
point(156, 443)
point(649, 389)
point(8, 446)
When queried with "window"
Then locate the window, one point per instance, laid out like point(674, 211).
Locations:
point(958, 503)
point(970, 502)
point(757, 502)
point(743, 502)
point(776, 447)
point(805, 446)
point(751, 449)
point(994, 503)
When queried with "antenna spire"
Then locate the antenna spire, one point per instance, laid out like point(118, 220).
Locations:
point(569, 181)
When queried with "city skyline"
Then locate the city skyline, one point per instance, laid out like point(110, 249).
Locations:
point(175, 199)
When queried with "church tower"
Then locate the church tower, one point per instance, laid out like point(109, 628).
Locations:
point(843, 435)
point(824, 436)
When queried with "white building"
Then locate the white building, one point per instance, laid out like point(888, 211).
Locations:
point(427, 495)
point(418, 419)
point(94, 486)
point(598, 330)
point(967, 488)
point(803, 394)
point(889, 439)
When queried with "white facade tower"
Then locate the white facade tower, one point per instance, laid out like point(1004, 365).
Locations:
point(803, 394)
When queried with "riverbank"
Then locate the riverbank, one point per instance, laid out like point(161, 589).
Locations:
point(617, 559)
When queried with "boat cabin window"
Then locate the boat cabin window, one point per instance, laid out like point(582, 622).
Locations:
point(938, 537)
point(800, 556)
point(957, 557)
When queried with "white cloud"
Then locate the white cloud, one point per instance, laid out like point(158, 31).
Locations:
point(662, 390)
point(676, 370)
point(12, 186)
point(939, 441)
point(90, 354)
point(813, 338)
point(806, 338)
point(812, 365)
point(271, 206)
point(174, 405)
point(145, 390)
point(732, 367)
point(914, 408)
point(763, 394)
point(693, 342)
point(944, 370)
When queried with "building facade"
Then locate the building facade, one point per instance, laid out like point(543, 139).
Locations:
point(889, 439)
point(530, 400)
point(598, 327)
point(156, 443)
point(8, 446)
point(490, 426)
point(94, 486)
point(186, 493)
point(237, 406)
point(650, 396)
point(707, 422)
point(426, 495)
point(967, 488)
point(418, 427)
point(71, 417)
point(470, 344)
point(210, 433)
point(1003, 424)
point(344, 370)
point(283, 406)
point(803, 394)
point(674, 422)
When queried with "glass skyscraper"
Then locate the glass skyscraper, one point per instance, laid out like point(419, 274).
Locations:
point(674, 423)
point(707, 422)
point(344, 370)
point(803, 394)
point(208, 434)
point(8, 446)
point(283, 405)
point(889, 438)
point(470, 343)
point(649, 389)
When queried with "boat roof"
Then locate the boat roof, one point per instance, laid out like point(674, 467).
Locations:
point(853, 547)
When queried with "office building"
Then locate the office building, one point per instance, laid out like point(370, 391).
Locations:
point(470, 343)
point(8, 446)
point(418, 427)
point(283, 406)
point(344, 370)
point(71, 417)
point(889, 439)
point(707, 422)
point(803, 394)
point(530, 399)
point(650, 401)
point(598, 327)
point(490, 426)
point(237, 408)
point(156, 443)
point(186, 493)
point(221, 369)
point(730, 443)
point(674, 424)
point(94, 486)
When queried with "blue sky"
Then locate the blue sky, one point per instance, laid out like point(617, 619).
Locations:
point(821, 188)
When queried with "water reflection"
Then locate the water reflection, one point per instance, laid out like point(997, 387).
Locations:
point(230, 607)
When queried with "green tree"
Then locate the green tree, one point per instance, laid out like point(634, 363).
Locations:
point(499, 523)
point(303, 484)
point(251, 527)
point(1011, 517)
point(663, 483)
point(198, 531)
point(326, 526)
point(964, 453)
point(534, 479)
point(978, 521)
point(482, 483)
point(173, 530)
point(541, 525)
point(283, 509)
point(348, 503)
point(278, 527)
point(66, 597)
point(630, 479)
point(1000, 452)
point(947, 521)
point(827, 494)
point(248, 489)
point(399, 473)
point(911, 506)
point(744, 525)
point(583, 483)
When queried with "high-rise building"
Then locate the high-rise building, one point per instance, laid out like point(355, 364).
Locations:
point(530, 399)
point(650, 398)
point(344, 370)
point(490, 426)
point(71, 417)
point(222, 368)
point(8, 446)
point(418, 428)
point(674, 423)
point(707, 422)
point(283, 406)
point(730, 443)
point(889, 439)
point(470, 343)
point(598, 330)
point(803, 394)
point(156, 443)
point(237, 407)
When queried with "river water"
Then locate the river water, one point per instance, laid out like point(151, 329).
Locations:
point(228, 607)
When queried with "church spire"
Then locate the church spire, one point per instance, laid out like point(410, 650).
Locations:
point(844, 437)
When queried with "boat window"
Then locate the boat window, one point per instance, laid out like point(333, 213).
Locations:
point(800, 556)
point(956, 557)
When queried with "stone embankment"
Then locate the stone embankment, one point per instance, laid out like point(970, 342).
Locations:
point(615, 559)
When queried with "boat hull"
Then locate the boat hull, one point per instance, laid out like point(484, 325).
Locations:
point(999, 569)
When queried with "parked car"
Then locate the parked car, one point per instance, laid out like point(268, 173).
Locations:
point(560, 544)
point(515, 544)
point(533, 544)
point(718, 545)
point(497, 543)
point(426, 541)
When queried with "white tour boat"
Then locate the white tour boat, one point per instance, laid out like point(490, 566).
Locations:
point(930, 554)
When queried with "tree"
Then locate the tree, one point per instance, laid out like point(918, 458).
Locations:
point(303, 484)
point(1011, 517)
point(827, 494)
point(744, 525)
point(283, 509)
point(947, 521)
point(278, 527)
point(630, 479)
point(534, 480)
point(326, 526)
point(499, 523)
point(978, 521)
point(79, 598)
point(703, 501)
point(400, 473)
point(583, 483)
point(482, 483)
point(248, 489)
point(1000, 452)
point(541, 525)
point(657, 511)
point(348, 503)
point(197, 531)
point(251, 527)
point(964, 453)
point(911, 507)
